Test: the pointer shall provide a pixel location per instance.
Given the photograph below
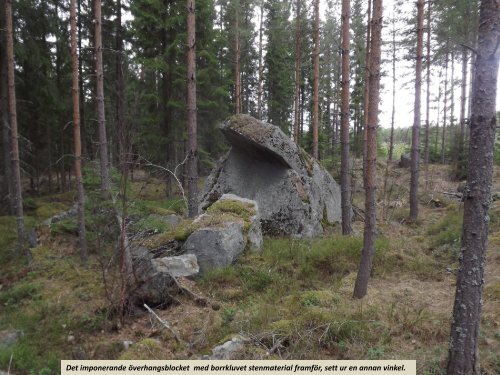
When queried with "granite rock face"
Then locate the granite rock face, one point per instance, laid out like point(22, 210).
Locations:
point(295, 194)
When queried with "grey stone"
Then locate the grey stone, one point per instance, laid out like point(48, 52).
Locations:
point(9, 337)
point(150, 286)
point(127, 344)
point(73, 211)
point(405, 161)
point(295, 195)
point(178, 266)
point(254, 233)
point(216, 246)
point(228, 349)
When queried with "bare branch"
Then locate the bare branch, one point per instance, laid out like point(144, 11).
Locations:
point(163, 322)
point(147, 163)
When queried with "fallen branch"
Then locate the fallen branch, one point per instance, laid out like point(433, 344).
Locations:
point(164, 323)
point(458, 195)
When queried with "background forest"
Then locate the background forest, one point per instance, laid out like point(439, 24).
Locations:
point(143, 148)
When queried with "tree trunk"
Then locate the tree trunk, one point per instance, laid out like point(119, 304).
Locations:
point(120, 92)
point(260, 89)
point(192, 162)
point(463, 99)
point(463, 352)
point(445, 109)
point(297, 73)
point(101, 119)
point(365, 265)
point(14, 137)
point(76, 135)
point(237, 77)
point(4, 116)
point(87, 149)
point(436, 140)
point(393, 114)
point(345, 178)
point(452, 92)
point(415, 139)
point(366, 91)
point(428, 83)
point(316, 81)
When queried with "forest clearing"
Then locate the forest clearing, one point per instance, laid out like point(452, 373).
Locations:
point(250, 179)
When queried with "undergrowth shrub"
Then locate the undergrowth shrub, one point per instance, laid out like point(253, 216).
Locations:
point(446, 235)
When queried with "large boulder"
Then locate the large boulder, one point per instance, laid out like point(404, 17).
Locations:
point(295, 194)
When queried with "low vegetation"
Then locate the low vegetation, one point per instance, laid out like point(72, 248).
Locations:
point(292, 300)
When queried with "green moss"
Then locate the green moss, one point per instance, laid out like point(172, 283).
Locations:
point(151, 223)
point(145, 349)
point(217, 215)
point(238, 208)
point(47, 210)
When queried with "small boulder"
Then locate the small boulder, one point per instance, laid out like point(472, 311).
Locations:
point(10, 337)
point(228, 350)
point(216, 246)
point(229, 226)
point(405, 161)
point(178, 266)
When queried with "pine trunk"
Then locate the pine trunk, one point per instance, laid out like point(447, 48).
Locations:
point(120, 92)
point(297, 74)
point(237, 77)
point(445, 109)
point(14, 137)
point(192, 162)
point(315, 82)
point(366, 91)
point(345, 178)
point(463, 352)
point(101, 119)
point(415, 143)
point(260, 90)
point(76, 135)
point(4, 116)
point(463, 99)
point(393, 113)
point(365, 265)
point(428, 83)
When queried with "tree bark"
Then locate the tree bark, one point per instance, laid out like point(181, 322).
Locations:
point(393, 114)
point(345, 178)
point(445, 109)
point(120, 91)
point(4, 116)
point(101, 119)
point(315, 82)
point(14, 137)
point(463, 351)
point(76, 135)
point(415, 143)
point(237, 77)
point(296, 94)
point(192, 147)
point(366, 91)
point(260, 89)
point(365, 265)
point(463, 99)
point(428, 84)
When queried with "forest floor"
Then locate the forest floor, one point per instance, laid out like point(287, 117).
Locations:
point(291, 301)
